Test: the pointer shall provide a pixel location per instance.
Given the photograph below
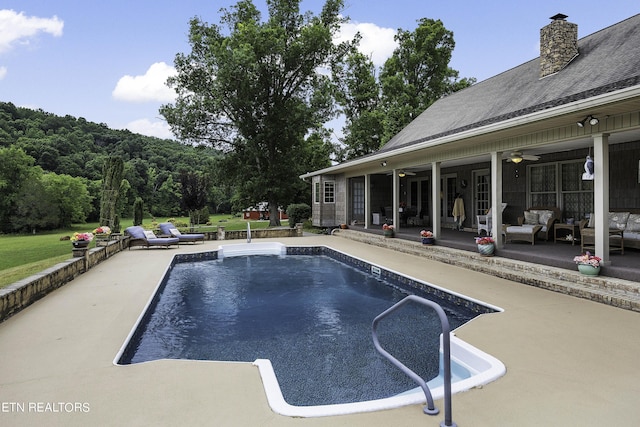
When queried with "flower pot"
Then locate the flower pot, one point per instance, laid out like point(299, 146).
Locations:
point(388, 233)
point(81, 243)
point(428, 241)
point(486, 249)
point(588, 270)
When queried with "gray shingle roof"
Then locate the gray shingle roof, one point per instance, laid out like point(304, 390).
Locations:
point(608, 60)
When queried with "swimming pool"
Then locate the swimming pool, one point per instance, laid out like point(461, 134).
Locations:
point(195, 311)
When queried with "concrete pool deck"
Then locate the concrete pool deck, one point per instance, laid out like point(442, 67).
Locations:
point(569, 361)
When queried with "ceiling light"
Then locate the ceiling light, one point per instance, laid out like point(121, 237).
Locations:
point(402, 174)
point(383, 163)
point(582, 122)
point(516, 158)
point(593, 121)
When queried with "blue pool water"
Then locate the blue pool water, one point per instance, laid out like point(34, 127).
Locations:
point(310, 315)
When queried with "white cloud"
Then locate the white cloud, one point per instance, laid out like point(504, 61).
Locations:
point(159, 129)
point(377, 42)
point(17, 28)
point(150, 86)
point(3, 72)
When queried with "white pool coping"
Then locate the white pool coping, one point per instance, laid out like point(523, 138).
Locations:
point(483, 367)
point(261, 248)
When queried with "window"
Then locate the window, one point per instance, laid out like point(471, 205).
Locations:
point(316, 193)
point(329, 192)
point(358, 199)
point(560, 184)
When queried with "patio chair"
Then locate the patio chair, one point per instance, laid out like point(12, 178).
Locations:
point(484, 221)
point(146, 238)
point(169, 229)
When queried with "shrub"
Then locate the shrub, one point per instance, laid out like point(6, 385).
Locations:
point(138, 211)
point(298, 213)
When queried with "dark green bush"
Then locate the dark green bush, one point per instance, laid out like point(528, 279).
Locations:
point(138, 211)
point(299, 212)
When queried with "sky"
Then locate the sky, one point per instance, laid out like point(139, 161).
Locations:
point(107, 61)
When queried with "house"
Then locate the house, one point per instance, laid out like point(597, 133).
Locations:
point(520, 138)
point(261, 212)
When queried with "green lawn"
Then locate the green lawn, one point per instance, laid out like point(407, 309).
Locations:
point(23, 255)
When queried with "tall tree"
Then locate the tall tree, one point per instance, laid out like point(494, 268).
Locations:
point(112, 173)
point(418, 74)
point(195, 188)
point(358, 92)
point(256, 91)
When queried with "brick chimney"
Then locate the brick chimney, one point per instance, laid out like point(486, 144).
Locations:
point(558, 45)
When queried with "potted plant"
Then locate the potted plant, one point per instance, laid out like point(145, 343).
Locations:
point(81, 240)
point(588, 264)
point(103, 230)
point(486, 245)
point(387, 230)
point(427, 237)
point(102, 234)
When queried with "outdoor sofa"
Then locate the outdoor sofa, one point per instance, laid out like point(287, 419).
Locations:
point(624, 230)
point(536, 222)
point(141, 237)
point(168, 229)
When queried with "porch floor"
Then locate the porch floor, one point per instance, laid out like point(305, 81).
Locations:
point(544, 252)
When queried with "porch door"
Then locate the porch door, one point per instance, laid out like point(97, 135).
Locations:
point(481, 192)
point(418, 198)
point(357, 199)
point(448, 186)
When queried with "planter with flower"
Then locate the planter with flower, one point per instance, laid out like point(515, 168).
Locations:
point(81, 240)
point(486, 245)
point(387, 230)
point(588, 264)
point(102, 234)
point(427, 238)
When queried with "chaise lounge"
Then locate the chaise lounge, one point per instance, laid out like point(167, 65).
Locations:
point(146, 238)
point(169, 229)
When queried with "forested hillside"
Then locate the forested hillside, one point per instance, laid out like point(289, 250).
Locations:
point(46, 158)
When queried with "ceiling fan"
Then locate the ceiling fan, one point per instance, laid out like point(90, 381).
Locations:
point(518, 156)
point(402, 173)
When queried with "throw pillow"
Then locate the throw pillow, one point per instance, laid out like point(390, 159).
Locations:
point(633, 223)
point(592, 220)
point(531, 218)
point(149, 234)
point(618, 220)
point(545, 216)
point(174, 232)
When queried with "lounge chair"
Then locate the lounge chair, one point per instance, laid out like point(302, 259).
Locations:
point(142, 237)
point(484, 221)
point(169, 229)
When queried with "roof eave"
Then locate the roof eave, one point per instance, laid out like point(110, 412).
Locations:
point(585, 104)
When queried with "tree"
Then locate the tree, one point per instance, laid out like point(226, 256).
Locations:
point(16, 170)
point(195, 187)
point(256, 92)
point(70, 196)
point(418, 74)
point(112, 173)
point(358, 92)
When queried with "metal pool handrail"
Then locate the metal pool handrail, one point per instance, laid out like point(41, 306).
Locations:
point(446, 348)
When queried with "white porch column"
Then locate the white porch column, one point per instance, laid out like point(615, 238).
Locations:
point(496, 198)
point(437, 201)
point(396, 199)
point(601, 195)
point(367, 200)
